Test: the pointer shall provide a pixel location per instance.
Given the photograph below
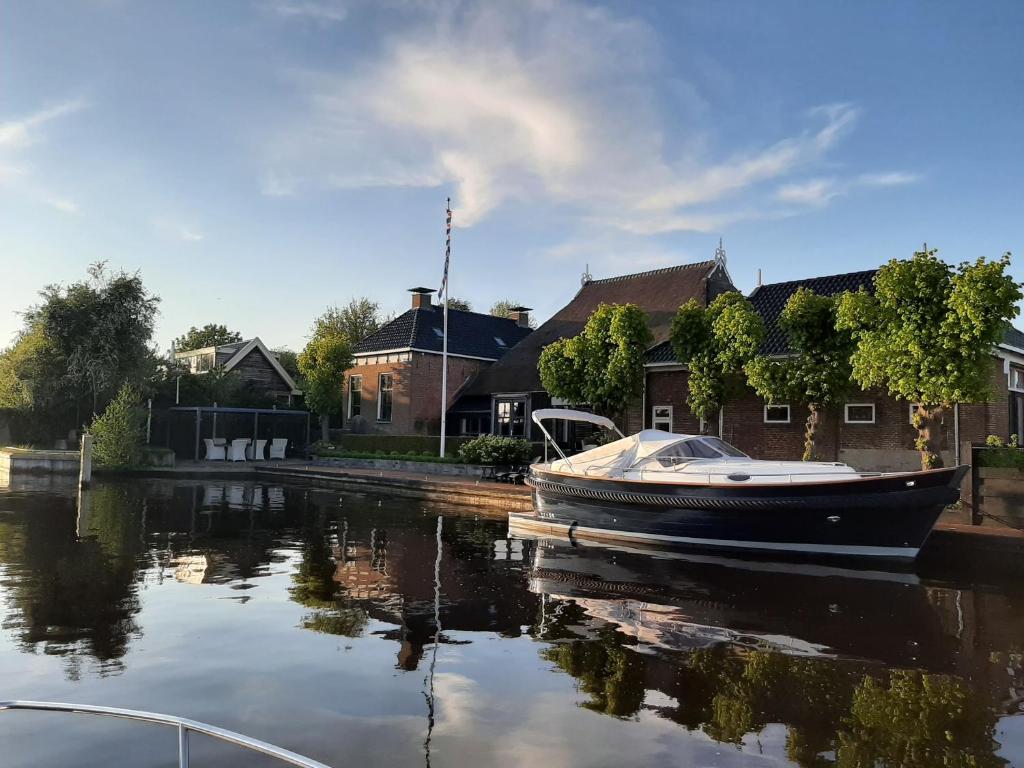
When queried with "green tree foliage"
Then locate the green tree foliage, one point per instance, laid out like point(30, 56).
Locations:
point(289, 360)
point(322, 364)
point(456, 303)
point(714, 343)
point(604, 365)
point(355, 321)
point(210, 335)
point(79, 345)
point(818, 371)
point(504, 307)
point(927, 335)
point(119, 432)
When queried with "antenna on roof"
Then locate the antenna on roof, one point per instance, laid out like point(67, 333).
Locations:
point(720, 254)
point(586, 277)
point(759, 283)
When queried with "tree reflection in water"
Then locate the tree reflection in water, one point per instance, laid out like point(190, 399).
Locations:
point(841, 713)
point(75, 596)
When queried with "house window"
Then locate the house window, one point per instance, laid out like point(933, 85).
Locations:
point(511, 421)
point(355, 396)
point(776, 414)
point(385, 384)
point(477, 424)
point(1017, 378)
point(661, 417)
point(860, 413)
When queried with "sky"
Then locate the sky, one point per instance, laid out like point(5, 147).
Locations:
point(260, 160)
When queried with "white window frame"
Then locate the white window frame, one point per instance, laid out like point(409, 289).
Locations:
point(789, 413)
point(910, 412)
point(846, 413)
point(1010, 383)
point(351, 379)
point(655, 420)
point(380, 398)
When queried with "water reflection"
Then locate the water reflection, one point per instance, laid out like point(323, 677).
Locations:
point(419, 627)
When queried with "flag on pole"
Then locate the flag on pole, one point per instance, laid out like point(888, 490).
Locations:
point(442, 291)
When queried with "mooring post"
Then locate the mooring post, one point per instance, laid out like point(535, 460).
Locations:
point(85, 469)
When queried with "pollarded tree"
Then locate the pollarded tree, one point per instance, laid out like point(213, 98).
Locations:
point(604, 365)
point(927, 335)
point(322, 364)
point(817, 372)
point(714, 343)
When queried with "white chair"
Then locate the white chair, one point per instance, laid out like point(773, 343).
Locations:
point(258, 451)
point(214, 452)
point(277, 447)
point(237, 451)
point(220, 441)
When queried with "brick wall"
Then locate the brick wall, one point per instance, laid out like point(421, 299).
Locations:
point(744, 426)
point(415, 394)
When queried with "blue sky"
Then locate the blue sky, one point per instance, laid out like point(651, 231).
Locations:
point(260, 160)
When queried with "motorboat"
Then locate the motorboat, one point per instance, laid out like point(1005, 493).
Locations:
point(697, 490)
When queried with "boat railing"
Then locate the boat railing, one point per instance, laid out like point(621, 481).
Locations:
point(696, 478)
point(183, 725)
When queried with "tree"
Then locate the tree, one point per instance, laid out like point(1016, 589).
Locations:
point(463, 304)
point(927, 335)
point(604, 365)
point(118, 432)
point(504, 307)
point(323, 364)
point(714, 343)
point(80, 344)
point(356, 320)
point(289, 360)
point(817, 373)
point(210, 335)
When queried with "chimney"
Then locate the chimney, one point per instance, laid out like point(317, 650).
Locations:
point(521, 315)
point(421, 297)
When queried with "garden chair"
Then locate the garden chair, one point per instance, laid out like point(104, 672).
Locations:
point(238, 446)
point(257, 451)
point(277, 447)
point(214, 452)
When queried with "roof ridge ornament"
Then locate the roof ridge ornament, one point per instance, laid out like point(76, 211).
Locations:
point(720, 254)
point(586, 277)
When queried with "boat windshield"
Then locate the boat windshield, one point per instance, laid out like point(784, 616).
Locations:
point(695, 448)
point(720, 445)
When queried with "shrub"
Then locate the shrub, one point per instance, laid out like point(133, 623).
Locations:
point(1000, 454)
point(119, 432)
point(492, 449)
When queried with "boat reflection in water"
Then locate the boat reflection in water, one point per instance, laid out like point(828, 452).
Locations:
point(847, 667)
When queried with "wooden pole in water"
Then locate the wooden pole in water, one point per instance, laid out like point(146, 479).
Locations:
point(85, 468)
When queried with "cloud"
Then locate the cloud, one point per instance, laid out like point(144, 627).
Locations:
point(62, 204)
point(321, 11)
point(546, 102)
point(171, 229)
point(25, 131)
point(819, 192)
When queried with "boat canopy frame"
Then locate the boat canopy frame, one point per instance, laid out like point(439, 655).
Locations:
point(568, 414)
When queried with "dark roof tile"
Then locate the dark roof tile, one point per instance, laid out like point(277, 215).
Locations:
point(470, 334)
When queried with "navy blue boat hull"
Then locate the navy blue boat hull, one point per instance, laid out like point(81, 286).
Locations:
point(887, 516)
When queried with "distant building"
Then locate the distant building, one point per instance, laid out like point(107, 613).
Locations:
point(257, 366)
point(502, 397)
point(871, 431)
point(395, 384)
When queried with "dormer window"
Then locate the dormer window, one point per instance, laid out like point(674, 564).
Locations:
point(439, 333)
point(500, 341)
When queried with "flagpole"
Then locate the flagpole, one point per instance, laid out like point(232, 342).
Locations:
point(444, 337)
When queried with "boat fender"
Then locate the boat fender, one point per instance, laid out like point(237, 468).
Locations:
point(572, 530)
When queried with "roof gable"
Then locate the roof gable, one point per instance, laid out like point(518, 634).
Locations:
point(658, 292)
point(470, 334)
point(257, 345)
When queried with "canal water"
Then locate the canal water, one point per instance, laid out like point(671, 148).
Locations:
point(375, 631)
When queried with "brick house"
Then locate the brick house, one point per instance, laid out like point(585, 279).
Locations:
point(395, 385)
point(872, 431)
point(257, 366)
point(502, 397)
